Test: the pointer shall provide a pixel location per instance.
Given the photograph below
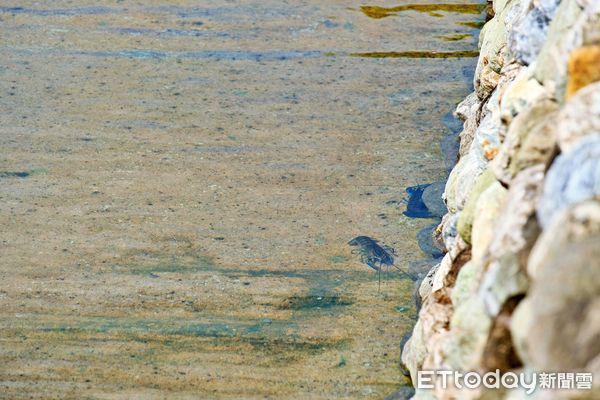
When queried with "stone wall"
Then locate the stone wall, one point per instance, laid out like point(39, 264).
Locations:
point(519, 287)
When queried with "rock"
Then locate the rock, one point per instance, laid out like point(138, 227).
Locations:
point(469, 111)
point(461, 181)
point(571, 224)
point(487, 135)
point(523, 91)
point(492, 43)
point(465, 222)
point(414, 351)
point(504, 279)
point(579, 117)
point(449, 229)
point(460, 254)
point(499, 352)
point(573, 177)
point(427, 241)
point(529, 30)
point(516, 226)
point(432, 197)
point(551, 65)
point(503, 165)
point(487, 80)
point(470, 328)
point(539, 147)
point(437, 281)
point(404, 393)
point(499, 5)
point(466, 283)
point(468, 107)
point(565, 307)
point(583, 68)
point(486, 213)
point(418, 270)
point(520, 326)
point(427, 283)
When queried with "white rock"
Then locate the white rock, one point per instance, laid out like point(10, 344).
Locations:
point(579, 117)
point(573, 177)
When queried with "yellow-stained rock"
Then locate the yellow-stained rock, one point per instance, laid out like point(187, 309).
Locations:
point(584, 68)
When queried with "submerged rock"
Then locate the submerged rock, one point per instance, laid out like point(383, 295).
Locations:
point(404, 393)
point(432, 198)
point(427, 243)
point(415, 206)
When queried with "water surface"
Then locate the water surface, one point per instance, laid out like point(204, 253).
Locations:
point(180, 181)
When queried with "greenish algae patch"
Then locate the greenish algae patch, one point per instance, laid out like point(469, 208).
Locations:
point(455, 37)
point(338, 259)
point(472, 24)
point(417, 54)
point(312, 301)
point(431, 9)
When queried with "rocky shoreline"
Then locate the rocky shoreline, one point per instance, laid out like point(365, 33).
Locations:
point(517, 289)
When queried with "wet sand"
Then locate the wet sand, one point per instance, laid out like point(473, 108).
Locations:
point(178, 184)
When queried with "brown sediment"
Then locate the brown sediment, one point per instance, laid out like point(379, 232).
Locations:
point(417, 54)
point(455, 37)
point(431, 9)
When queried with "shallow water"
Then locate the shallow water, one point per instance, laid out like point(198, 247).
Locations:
point(180, 181)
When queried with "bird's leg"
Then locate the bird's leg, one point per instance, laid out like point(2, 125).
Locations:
point(379, 277)
point(387, 274)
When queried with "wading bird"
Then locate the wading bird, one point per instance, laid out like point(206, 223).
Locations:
point(374, 255)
